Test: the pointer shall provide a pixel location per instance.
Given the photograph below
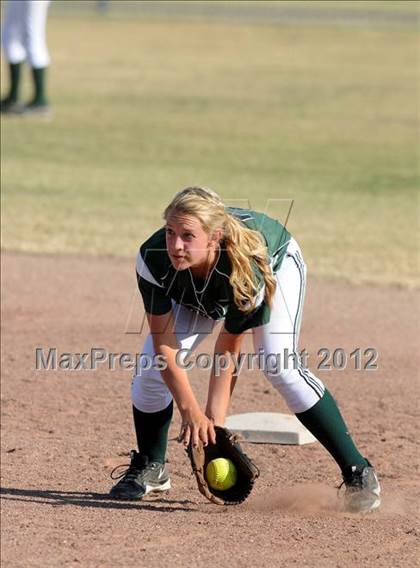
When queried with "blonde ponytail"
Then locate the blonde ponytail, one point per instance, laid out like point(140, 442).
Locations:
point(243, 246)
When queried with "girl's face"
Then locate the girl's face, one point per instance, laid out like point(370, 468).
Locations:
point(187, 243)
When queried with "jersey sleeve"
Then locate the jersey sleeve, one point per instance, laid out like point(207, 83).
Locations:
point(155, 299)
point(237, 321)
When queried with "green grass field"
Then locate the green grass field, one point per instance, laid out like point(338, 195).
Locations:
point(324, 115)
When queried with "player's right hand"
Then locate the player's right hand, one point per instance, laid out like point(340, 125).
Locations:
point(196, 426)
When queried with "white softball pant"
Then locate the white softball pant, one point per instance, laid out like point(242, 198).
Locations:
point(24, 32)
point(299, 387)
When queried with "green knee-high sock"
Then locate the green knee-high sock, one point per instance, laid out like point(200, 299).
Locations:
point(14, 73)
point(325, 422)
point(152, 432)
point(39, 79)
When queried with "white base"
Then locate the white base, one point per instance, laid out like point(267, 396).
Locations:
point(269, 428)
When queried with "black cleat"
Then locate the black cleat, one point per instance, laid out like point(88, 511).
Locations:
point(11, 106)
point(37, 109)
point(363, 492)
point(141, 477)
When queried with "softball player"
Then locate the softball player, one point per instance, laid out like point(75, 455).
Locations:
point(24, 39)
point(211, 264)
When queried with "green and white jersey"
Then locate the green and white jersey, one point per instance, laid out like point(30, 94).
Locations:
point(160, 283)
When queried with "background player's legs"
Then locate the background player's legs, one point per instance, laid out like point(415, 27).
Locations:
point(152, 400)
point(304, 393)
point(14, 49)
point(36, 47)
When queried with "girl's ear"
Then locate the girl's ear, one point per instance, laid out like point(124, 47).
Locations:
point(216, 236)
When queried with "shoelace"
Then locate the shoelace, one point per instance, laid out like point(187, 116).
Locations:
point(356, 482)
point(130, 471)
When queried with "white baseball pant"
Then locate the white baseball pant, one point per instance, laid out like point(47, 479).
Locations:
point(24, 32)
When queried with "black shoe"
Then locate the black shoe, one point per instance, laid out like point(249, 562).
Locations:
point(11, 106)
point(37, 109)
point(363, 492)
point(141, 477)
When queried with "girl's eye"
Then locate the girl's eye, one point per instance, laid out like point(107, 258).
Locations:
point(186, 235)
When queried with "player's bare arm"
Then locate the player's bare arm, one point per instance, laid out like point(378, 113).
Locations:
point(195, 424)
point(221, 386)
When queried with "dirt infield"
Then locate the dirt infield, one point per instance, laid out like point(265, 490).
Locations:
point(63, 432)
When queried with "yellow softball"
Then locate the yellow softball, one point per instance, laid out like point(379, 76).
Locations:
point(221, 474)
